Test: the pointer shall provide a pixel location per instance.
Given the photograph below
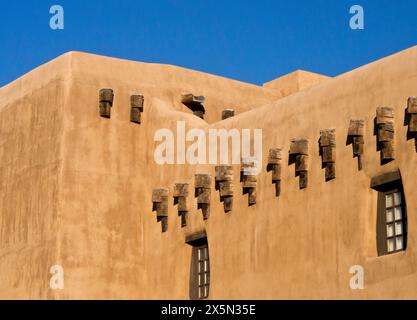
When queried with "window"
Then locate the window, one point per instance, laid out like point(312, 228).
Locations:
point(203, 272)
point(394, 221)
point(391, 215)
point(200, 266)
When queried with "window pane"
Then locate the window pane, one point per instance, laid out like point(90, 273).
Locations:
point(390, 230)
point(388, 200)
point(390, 245)
point(399, 243)
point(201, 292)
point(199, 254)
point(200, 267)
point(206, 265)
point(397, 198)
point(200, 279)
point(398, 213)
point(206, 291)
point(390, 215)
point(398, 228)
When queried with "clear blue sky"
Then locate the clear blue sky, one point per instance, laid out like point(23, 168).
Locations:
point(253, 41)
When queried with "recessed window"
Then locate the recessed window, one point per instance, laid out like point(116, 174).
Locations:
point(203, 272)
point(391, 215)
point(200, 266)
point(394, 221)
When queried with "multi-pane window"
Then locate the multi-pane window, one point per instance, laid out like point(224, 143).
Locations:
point(200, 266)
point(203, 272)
point(392, 213)
point(394, 221)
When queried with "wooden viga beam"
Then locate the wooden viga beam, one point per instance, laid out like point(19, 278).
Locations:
point(356, 134)
point(299, 151)
point(190, 99)
point(328, 152)
point(249, 179)
point(160, 205)
point(385, 132)
point(228, 113)
point(274, 165)
point(412, 118)
point(203, 192)
point(224, 184)
point(136, 108)
point(180, 199)
point(195, 103)
point(106, 97)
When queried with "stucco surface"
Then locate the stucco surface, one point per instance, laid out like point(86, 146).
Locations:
point(76, 189)
point(294, 82)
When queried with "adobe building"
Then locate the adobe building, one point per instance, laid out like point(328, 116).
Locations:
point(80, 188)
